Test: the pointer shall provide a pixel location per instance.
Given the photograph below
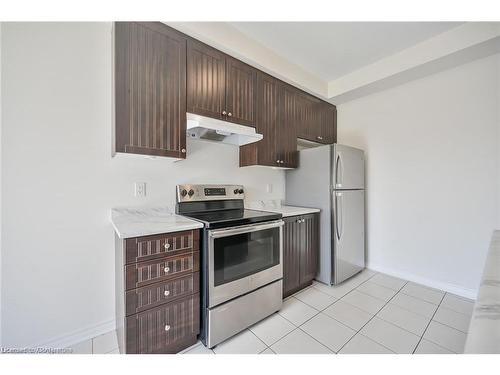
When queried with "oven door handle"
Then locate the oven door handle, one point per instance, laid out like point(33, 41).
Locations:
point(218, 233)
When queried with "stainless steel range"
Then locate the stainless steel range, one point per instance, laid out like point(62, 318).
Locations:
point(241, 265)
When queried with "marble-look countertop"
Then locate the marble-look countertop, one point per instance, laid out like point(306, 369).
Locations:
point(277, 206)
point(484, 329)
point(135, 222)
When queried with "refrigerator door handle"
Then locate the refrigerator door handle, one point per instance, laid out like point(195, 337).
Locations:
point(338, 199)
point(338, 171)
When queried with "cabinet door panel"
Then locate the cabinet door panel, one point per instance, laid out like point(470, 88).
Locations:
point(309, 232)
point(286, 132)
point(164, 329)
point(328, 122)
point(291, 255)
point(205, 80)
point(150, 89)
point(241, 92)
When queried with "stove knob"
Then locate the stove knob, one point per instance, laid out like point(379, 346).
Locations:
point(240, 191)
point(236, 191)
point(183, 192)
point(191, 192)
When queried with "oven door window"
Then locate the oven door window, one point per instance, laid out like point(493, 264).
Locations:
point(245, 254)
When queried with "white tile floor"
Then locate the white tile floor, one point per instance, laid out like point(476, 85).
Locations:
point(370, 313)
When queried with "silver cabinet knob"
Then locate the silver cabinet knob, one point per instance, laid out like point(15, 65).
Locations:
point(183, 150)
point(167, 328)
point(229, 114)
point(282, 162)
point(224, 113)
point(166, 269)
point(166, 293)
point(166, 246)
point(320, 138)
point(277, 161)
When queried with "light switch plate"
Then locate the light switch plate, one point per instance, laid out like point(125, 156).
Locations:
point(140, 189)
point(269, 188)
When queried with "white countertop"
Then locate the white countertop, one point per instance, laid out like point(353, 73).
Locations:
point(276, 206)
point(136, 222)
point(484, 329)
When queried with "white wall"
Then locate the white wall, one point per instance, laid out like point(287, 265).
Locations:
point(432, 174)
point(59, 182)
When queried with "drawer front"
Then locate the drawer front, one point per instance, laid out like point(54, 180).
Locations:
point(142, 249)
point(147, 297)
point(166, 268)
point(165, 329)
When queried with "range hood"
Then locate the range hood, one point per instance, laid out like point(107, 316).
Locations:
point(209, 129)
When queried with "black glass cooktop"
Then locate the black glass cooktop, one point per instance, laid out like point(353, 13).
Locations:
point(229, 218)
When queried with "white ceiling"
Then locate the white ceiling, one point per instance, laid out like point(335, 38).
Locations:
point(332, 49)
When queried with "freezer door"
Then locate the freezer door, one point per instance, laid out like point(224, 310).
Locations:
point(348, 168)
point(348, 234)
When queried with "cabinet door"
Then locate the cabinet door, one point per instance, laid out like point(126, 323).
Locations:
point(150, 89)
point(268, 116)
point(205, 80)
point(164, 329)
point(309, 233)
point(328, 122)
point(307, 117)
point(241, 92)
point(286, 132)
point(291, 255)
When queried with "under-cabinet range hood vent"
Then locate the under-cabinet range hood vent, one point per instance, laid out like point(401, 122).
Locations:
point(209, 129)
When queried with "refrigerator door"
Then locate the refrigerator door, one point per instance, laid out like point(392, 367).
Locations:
point(348, 228)
point(348, 168)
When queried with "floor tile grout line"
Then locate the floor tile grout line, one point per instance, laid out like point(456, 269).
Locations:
point(428, 324)
point(359, 331)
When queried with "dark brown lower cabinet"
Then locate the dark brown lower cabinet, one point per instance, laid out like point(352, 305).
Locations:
point(157, 292)
point(300, 252)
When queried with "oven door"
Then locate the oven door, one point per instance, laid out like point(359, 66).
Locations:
point(242, 259)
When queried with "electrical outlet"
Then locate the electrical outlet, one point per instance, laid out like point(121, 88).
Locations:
point(269, 188)
point(140, 189)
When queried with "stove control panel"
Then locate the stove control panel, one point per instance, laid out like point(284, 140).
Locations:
point(196, 193)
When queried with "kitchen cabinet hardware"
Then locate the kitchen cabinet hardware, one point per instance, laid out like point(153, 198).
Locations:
point(224, 113)
point(166, 246)
point(167, 327)
point(166, 269)
point(166, 293)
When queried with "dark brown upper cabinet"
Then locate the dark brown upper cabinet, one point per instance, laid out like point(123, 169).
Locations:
point(220, 86)
point(264, 152)
point(286, 134)
point(206, 70)
point(241, 92)
point(150, 89)
point(275, 121)
point(316, 119)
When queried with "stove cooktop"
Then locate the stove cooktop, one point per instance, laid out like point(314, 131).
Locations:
point(229, 218)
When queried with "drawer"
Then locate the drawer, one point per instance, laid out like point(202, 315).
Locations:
point(146, 248)
point(167, 328)
point(166, 268)
point(150, 296)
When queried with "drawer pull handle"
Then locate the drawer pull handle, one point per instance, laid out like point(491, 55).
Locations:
point(166, 293)
point(166, 246)
point(167, 269)
point(167, 328)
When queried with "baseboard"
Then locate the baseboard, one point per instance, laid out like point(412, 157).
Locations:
point(436, 284)
point(77, 336)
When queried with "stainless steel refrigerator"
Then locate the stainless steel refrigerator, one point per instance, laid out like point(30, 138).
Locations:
point(332, 178)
